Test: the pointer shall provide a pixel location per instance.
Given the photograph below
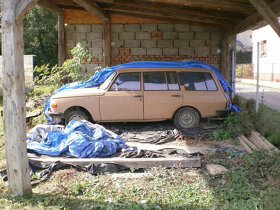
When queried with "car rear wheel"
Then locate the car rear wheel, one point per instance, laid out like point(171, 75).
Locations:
point(77, 116)
point(186, 118)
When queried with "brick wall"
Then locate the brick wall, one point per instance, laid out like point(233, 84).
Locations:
point(159, 42)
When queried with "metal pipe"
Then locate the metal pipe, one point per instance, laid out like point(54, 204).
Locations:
point(258, 76)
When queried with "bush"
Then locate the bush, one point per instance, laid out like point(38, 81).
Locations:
point(244, 70)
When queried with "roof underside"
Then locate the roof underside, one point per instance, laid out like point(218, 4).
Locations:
point(232, 16)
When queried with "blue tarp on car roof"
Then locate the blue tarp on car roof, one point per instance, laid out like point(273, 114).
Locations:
point(100, 76)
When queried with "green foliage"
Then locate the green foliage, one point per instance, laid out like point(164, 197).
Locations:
point(244, 70)
point(70, 71)
point(40, 36)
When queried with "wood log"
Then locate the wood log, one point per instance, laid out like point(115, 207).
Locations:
point(259, 140)
point(269, 145)
point(250, 144)
point(245, 146)
point(252, 140)
point(135, 163)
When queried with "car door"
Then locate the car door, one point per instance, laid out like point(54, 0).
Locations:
point(162, 95)
point(124, 99)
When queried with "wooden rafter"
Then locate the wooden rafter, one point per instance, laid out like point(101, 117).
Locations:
point(46, 4)
point(93, 8)
point(211, 4)
point(166, 14)
point(253, 20)
point(23, 8)
point(267, 14)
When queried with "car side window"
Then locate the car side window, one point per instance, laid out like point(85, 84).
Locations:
point(155, 81)
point(172, 81)
point(198, 81)
point(127, 82)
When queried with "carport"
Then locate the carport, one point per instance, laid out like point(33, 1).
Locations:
point(110, 17)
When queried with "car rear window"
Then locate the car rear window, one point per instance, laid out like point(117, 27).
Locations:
point(198, 81)
point(127, 82)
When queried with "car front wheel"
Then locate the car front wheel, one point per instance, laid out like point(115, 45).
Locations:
point(77, 116)
point(186, 118)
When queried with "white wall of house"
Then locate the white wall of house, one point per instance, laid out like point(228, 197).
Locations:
point(269, 63)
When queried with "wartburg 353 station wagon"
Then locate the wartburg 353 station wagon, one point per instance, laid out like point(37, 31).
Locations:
point(145, 94)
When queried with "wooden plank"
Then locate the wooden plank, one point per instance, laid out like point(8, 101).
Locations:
point(244, 145)
point(23, 8)
point(14, 100)
point(210, 4)
point(252, 140)
point(194, 162)
point(46, 4)
point(107, 43)
point(269, 145)
point(61, 40)
point(267, 14)
point(253, 20)
point(259, 140)
point(93, 8)
point(250, 144)
point(167, 14)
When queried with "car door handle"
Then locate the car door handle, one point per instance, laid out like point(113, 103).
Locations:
point(138, 96)
point(176, 95)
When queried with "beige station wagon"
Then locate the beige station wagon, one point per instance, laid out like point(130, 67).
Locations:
point(145, 94)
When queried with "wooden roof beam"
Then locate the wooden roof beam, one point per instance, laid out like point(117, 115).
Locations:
point(211, 4)
point(23, 8)
point(46, 4)
point(267, 14)
point(166, 14)
point(169, 20)
point(93, 8)
point(253, 20)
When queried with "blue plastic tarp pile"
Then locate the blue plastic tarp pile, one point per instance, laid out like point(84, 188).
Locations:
point(79, 139)
point(100, 76)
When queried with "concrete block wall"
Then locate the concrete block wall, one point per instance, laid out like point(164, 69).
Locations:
point(161, 42)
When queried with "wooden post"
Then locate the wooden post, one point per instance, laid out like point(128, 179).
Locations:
point(61, 40)
point(107, 42)
point(14, 100)
point(228, 43)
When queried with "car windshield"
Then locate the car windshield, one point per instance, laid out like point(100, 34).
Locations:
point(105, 84)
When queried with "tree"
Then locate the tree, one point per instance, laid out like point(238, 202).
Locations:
point(40, 36)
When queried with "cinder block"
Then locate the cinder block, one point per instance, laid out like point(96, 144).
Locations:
point(78, 36)
point(165, 27)
point(169, 35)
point(197, 43)
point(215, 50)
point(127, 35)
point(213, 43)
point(83, 28)
point(94, 36)
point(97, 28)
point(114, 36)
point(138, 51)
point(148, 43)
point(132, 43)
point(90, 68)
point(154, 51)
point(186, 35)
point(164, 43)
point(132, 27)
point(170, 51)
point(196, 28)
point(114, 51)
point(70, 45)
point(216, 65)
point(96, 51)
point(216, 36)
point(202, 35)
point(143, 35)
point(118, 43)
point(70, 28)
point(181, 43)
point(186, 51)
point(149, 27)
point(117, 27)
point(97, 43)
point(181, 27)
point(202, 51)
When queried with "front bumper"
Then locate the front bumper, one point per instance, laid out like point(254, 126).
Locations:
point(56, 116)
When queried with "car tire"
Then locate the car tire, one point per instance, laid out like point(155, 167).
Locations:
point(186, 118)
point(76, 115)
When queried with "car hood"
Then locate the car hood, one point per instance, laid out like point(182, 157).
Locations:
point(79, 92)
